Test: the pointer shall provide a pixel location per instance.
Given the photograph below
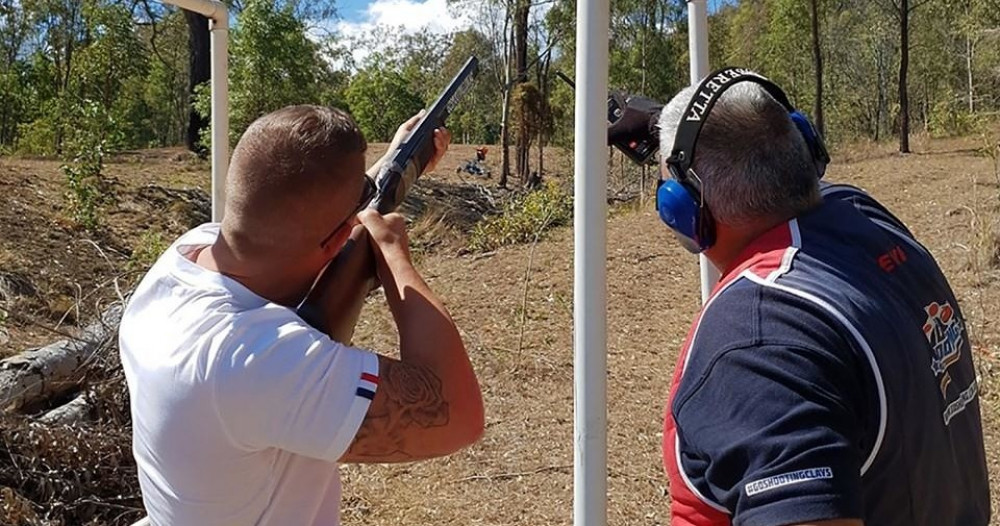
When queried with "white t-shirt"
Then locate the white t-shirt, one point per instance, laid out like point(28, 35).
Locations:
point(240, 409)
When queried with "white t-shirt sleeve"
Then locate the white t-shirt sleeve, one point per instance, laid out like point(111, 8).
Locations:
point(282, 384)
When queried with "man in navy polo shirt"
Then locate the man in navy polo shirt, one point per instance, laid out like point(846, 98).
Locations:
point(829, 378)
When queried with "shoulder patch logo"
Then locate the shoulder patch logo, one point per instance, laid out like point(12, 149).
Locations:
point(805, 475)
point(946, 334)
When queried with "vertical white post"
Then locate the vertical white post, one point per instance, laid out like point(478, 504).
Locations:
point(220, 113)
point(590, 471)
point(218, 20)
point(698, 50)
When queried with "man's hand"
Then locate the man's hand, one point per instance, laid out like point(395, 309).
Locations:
point(442, 138)
point(390, 243)
point(404, 129)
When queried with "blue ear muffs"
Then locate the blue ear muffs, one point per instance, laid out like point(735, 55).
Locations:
point(680, 210)
point(804, 126)
point(813, 139)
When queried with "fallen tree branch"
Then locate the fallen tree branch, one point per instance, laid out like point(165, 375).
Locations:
point(74, 411)
point(513, 475)
point(36, 375)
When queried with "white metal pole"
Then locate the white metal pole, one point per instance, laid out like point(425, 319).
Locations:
point(218, 16)
point(590, 471)
point(698, 50)
point(220, 114)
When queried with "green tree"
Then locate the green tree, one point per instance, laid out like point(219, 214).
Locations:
point(477, 118)
point(88, 50)
point(380, 99)
point(15, 98)
point(647, 54)
point(817, 49)
point(166, 91)
point(111, 69)
point(273, 63)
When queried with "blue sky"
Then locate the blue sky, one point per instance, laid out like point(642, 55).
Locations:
point(412, 15)
point(353, 10)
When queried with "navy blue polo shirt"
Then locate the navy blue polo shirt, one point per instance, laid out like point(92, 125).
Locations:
point(829, 376)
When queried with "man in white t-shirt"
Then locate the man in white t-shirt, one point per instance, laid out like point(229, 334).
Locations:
point(241, 411)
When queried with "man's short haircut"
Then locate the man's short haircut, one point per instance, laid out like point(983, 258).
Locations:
point(753, 161)
point(284, 169)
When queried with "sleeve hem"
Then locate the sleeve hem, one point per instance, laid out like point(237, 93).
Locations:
point(799, 511)
point(366, 386)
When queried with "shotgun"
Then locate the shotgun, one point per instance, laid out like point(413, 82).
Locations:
point(334, 303)
point(622, 108)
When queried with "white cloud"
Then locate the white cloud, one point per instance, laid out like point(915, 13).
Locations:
point(402, 17)
point(415, 15)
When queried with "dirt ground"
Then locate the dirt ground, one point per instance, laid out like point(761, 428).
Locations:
point(514, 308)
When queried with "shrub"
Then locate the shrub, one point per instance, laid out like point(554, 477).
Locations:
point(524, 217)
point(86, 187)
point(149, 248)
point(951, 117)
point(37, 137)
point(88, 192)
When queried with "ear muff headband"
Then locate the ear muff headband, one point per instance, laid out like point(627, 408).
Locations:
point(704, 99)
point(691, 219)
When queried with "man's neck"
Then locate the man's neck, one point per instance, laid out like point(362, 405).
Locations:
point(731, 241)
point(261, 282)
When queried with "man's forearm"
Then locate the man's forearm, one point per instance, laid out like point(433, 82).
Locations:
point(426, 330)
point(428, 337)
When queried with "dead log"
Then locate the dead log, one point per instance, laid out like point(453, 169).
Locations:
point(76, 410)
point(33, 376)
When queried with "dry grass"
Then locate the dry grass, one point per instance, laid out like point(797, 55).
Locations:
point(82, 474)
point(432, 231)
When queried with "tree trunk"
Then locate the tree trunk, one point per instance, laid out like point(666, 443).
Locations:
point(5, 137)
point(522, 10)
point(522, 156)
point(818, 67)
point(969, 51)
point(541, 153)
point(881, 90)
point(200, 62)
point(34, 376)
point(904, 66)
point(543, 92)
point(505, 139)
point(508, 83)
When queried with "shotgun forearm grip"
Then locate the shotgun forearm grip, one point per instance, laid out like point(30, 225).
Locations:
point(394, 182)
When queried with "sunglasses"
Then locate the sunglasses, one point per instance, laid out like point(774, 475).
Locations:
point(367, 194)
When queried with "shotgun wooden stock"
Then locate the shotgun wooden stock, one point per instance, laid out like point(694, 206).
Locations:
point(334, 304)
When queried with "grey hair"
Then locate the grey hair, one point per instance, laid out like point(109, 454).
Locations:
point(752, 160)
